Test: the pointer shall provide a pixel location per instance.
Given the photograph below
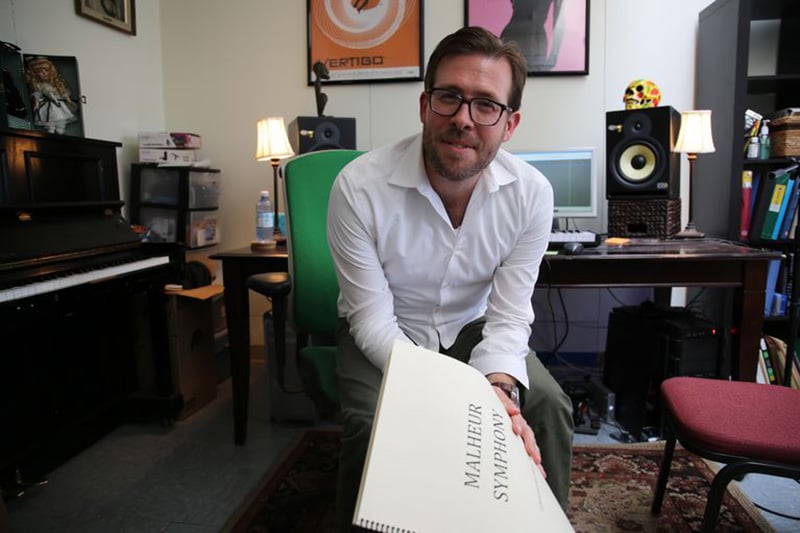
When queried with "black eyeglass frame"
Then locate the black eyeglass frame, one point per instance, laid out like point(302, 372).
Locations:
point(462, 100)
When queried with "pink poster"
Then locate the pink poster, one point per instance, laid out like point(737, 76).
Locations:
point(552, 34)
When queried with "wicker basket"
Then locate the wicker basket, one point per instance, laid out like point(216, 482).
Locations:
point(785, 136)
point(658, 219)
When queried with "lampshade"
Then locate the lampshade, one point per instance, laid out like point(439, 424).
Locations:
point(273, 143)
point(695, 134)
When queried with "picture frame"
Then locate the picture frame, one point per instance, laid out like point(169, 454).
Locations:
point(117, 14)
point(54, 92)
point(553, 35)
point(364, 41)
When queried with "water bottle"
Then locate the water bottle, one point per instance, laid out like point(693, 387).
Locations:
point(265, 219)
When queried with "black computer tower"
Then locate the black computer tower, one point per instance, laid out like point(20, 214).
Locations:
point(647, 344)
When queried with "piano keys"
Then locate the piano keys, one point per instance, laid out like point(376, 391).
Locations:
point(57, 283)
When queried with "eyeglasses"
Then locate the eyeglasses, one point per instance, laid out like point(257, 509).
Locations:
point(482, 111)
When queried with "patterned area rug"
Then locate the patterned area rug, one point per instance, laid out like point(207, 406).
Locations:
point(612, 488)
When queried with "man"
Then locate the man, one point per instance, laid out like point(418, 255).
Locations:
point(437, 241)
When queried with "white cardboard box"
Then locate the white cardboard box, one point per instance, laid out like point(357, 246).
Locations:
point(166, 155)
point(169, 139)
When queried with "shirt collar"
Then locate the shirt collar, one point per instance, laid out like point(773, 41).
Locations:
point(411, 159)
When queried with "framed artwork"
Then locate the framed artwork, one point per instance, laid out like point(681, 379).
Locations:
point(117, 14)
point(364, 41)
point(552, 34)
point(55, 94)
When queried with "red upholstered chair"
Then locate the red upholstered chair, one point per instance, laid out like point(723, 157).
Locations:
point(750, 427)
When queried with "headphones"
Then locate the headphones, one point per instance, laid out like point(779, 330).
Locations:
point(196, 274)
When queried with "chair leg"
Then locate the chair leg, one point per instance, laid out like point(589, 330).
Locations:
point(663, 474)
point(279, 331)
point(717, 492)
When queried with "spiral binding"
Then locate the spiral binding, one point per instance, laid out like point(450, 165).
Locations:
point(382, 528)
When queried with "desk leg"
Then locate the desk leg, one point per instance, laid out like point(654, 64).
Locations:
point(237, 310)
point(750, 317)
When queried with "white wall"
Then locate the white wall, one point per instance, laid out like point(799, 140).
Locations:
point(226, 64)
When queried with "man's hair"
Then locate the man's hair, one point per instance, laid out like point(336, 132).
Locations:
point(474, 40)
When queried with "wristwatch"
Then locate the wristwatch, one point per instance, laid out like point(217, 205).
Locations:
point(512, 391)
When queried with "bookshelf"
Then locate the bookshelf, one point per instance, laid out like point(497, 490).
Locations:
point(732, 75)
point(745, 60)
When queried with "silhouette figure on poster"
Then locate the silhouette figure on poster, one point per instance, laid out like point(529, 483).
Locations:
point(51, 97)
point(321, 73)
point(527, 27)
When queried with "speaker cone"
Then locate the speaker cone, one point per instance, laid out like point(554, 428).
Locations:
point(637, 163)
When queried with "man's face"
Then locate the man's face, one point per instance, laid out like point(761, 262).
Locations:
point(456, 148)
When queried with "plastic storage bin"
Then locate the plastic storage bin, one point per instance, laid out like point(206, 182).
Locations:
point(176, 203)
point(162, 186)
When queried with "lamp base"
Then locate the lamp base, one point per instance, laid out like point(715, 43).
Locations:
point(690, 232)
point(262, 246)
point(279, 237)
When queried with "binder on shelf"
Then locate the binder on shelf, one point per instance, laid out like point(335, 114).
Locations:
point(787, 198)
point(747, 203)
point(772, 282)
point(474, 476)
point(764, 351)
point(777, 204)
point(791, 211)
point(788, 265)
point(774, 348)
point(763, 194)
point(796, 369)
point(777, 351)
point(754, 196)
point(761, 370)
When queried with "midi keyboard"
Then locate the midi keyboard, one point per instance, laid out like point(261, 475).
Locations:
point(559, 238)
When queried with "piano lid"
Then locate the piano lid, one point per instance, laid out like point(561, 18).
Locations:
point(59, 195)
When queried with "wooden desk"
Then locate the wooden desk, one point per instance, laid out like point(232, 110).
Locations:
point(660, 264)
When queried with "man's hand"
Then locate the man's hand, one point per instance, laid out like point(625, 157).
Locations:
point(518, 424)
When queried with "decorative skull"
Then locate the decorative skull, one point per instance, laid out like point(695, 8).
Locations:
point(640, 94)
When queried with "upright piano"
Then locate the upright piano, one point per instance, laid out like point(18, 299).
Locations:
point(82, 316)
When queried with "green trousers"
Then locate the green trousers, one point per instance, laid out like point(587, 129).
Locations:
point(546, 408)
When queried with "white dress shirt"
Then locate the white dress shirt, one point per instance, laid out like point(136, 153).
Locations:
point(405, 273)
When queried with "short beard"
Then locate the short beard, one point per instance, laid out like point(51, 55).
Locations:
point(432, 157)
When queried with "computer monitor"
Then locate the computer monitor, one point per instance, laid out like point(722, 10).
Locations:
point(572, 174)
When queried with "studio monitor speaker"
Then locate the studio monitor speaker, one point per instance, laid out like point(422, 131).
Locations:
point(640, 162)
point(311, 134)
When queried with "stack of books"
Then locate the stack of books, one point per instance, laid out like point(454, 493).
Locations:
point(164, 147)
point(772, 363)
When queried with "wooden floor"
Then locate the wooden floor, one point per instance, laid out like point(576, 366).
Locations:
point(190, 478)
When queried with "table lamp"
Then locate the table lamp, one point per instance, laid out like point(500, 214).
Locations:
point(694, 138)
point(273, 145)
